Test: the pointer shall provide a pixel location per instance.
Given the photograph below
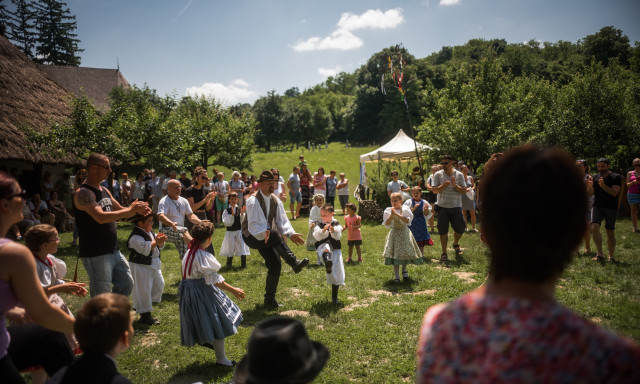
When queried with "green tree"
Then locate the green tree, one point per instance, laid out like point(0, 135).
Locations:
point(268, 111)
point(607, 44)
point(57, 42)
point(21, 25)
point(597, 115)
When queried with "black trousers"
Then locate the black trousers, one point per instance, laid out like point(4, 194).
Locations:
point(266, 250)
point(33, 345)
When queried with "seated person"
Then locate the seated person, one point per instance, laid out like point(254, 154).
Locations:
point(40, 210)
point(104, 329)
point(511, 329)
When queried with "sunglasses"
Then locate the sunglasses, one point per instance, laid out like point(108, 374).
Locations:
point(22, 194)
point(636, 165)
point(106, 167)
point(445, 163)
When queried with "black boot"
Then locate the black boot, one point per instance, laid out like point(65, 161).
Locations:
point(334, 294)
point(229, 262)
point(270, 289)
point(289, 257)
point(326, 257)
point(145, 318)
point(243, 261)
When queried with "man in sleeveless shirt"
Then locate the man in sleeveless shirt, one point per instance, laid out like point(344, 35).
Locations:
point(263, 227)
point(96, 215)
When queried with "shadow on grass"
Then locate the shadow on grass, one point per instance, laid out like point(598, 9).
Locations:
point(325, 308)
point(170, 297)
point(405, 285)
point(205, 372)
point(260, 312)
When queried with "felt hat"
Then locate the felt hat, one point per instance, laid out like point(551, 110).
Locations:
point(280, 351)
point(266, 176)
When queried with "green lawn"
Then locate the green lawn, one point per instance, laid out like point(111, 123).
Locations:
point(372, 337)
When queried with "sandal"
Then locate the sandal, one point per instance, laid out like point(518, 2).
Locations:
point(396, 281)
point(611, 259)
point(598, 258)
point(456, 247)
point(444, 257)
point(405, 275)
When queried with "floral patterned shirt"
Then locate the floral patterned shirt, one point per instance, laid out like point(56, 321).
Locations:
point(481, 338)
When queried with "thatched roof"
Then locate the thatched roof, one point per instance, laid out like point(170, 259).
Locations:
point(27, 97)
point(96, 83)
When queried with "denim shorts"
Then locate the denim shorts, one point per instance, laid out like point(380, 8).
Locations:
point(297, 197)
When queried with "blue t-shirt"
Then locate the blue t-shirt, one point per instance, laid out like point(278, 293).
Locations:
point(331, 186)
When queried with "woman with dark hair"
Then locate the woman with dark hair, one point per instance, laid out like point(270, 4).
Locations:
point(583, 169)
point(31, 344)
point(199, 200)
point(511, 328)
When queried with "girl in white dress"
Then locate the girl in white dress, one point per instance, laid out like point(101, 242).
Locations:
point(400, 247)
point(207, 315)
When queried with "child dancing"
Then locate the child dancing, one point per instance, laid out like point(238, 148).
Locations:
point(314, 216)
point(400, 247)
point(207, 315)
point(232, 244)
point(421, 210)
point(352, 223)
point(144, 260)
point(327, 234)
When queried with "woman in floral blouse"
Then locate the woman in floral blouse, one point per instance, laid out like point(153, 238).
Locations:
point(511, 329)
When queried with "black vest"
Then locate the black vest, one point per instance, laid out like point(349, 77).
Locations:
point(135, 257)
point(237, 225)
point(96, 239)
point(335, 244)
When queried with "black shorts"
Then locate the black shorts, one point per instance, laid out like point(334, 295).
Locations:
point(354, 242)
point(453, 216)
point(609, 215)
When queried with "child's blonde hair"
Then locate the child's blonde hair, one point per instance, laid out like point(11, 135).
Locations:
point(37, 235)
point(395, 195)
point(317, 197)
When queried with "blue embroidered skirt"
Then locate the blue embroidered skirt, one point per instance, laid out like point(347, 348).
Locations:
point(206, 313)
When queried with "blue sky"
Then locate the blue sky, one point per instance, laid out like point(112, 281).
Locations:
point(238, 50)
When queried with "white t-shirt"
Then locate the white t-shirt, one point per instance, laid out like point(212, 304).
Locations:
point(222, 187)
point(174, 210)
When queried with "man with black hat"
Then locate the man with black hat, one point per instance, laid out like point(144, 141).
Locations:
point(263, 227)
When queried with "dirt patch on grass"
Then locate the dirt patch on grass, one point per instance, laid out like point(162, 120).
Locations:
point(467, 277)
point(425, 292)
point(299, 292)
point(157, 365)
point(364, 304)
point(596, 320)
point(380, 292)
point(294, 313)
point(148, 339)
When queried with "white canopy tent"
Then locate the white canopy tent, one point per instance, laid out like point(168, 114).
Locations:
point(398, 148)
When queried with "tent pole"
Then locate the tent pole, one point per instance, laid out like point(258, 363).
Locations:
point(415, 142)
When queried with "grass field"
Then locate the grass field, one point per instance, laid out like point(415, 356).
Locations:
point(372, 336)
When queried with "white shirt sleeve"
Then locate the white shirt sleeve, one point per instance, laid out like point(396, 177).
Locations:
point(385, 216)
point(318, 234)
point(408, 214)
point(206, 264)
point(282, 222)
point(140, 245)
point(227, 218)
point(337, 232)
point(257, 224)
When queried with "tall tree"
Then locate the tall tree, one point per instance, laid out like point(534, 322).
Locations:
point(607, 44)
point(57, 42)
point(21, 23)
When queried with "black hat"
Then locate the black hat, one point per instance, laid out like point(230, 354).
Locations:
point(266, 176)
point(280, 351)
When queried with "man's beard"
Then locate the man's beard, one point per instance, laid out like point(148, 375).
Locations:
point(603, 172)
point(271, 189)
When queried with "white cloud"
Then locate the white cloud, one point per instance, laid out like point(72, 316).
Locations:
point(450, 2)
point(326, 72)
point(371, 19)
point(237, 91)
point(342, 38)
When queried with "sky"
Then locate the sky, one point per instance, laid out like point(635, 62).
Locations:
point(238, 50)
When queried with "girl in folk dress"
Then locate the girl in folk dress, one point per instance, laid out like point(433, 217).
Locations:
point(314, 216)
point(207, 315)
point(421, 210)
point(42, 240)
point(233, 245)
point(400, 247)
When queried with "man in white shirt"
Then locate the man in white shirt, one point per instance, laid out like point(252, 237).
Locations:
point(264, 226)
point(171, 211)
